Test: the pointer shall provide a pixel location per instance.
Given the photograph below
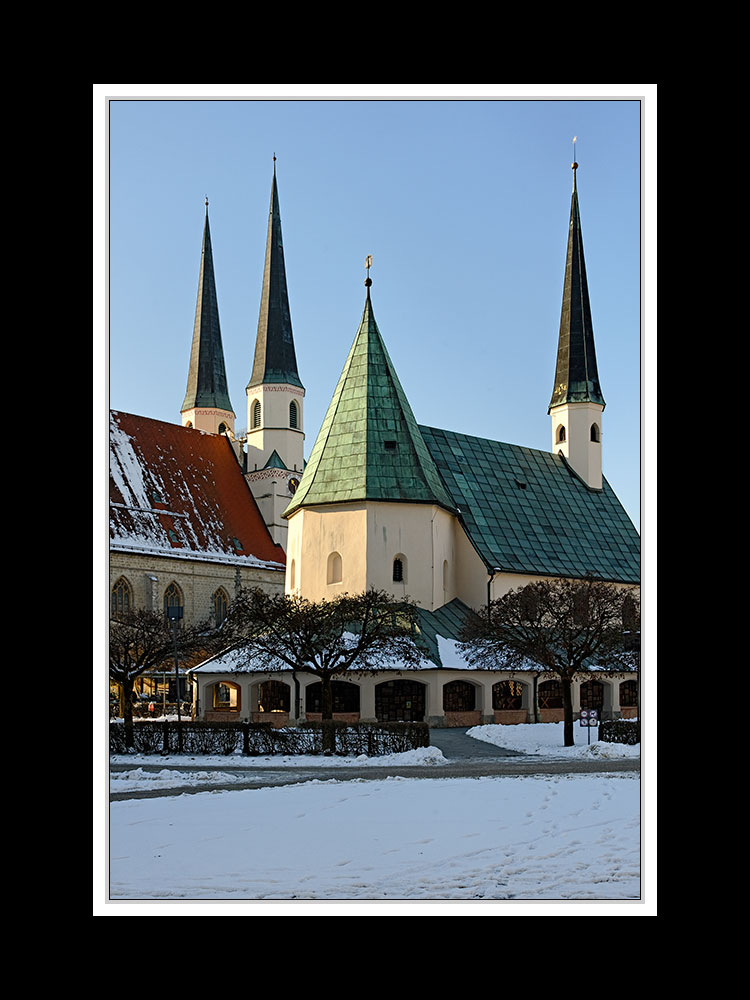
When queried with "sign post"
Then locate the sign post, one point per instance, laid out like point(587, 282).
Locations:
point(589, 718)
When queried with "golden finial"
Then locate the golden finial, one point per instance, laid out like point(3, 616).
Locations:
point(368, 265)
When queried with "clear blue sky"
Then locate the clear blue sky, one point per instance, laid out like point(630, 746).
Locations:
point(464, 206)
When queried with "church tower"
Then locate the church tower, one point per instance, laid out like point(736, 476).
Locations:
point(275, 394)
point(206, 405)
point(577, 403)
point(371, 509)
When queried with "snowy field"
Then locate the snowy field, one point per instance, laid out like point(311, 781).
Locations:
point(573, 838)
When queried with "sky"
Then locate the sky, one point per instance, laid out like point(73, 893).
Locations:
point(461, 196)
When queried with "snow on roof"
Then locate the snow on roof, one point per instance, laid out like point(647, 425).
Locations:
point(179, 492)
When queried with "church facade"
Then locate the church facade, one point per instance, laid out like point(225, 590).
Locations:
point(450, 520)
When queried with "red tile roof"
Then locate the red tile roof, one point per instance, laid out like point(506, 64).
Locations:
point(178, 490)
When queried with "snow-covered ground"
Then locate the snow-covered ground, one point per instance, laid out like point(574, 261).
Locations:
point(574, 838)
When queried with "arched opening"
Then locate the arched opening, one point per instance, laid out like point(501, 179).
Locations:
point(550, 701)
point(222, 428)
point(121, 598)
point(595, 433)
point(189, 423)
point(292, 576)
point(293, 415)
point(274, 703)
point(334, 573)
point(345, 701)
point(507, 696)
point(225, 697)
point(256, 413)
point(399, 569)
point(400, 701)
point(592, 696)
point(629, 699)
point(508, 702)
point(560, 434)
point(460, 704)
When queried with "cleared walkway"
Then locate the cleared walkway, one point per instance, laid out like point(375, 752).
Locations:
point(456, 745)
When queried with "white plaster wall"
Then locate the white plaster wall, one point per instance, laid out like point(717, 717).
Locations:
point(584, 455)
point(208, 419)
point(274, 431)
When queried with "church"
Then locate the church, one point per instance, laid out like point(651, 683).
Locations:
point(448, 519)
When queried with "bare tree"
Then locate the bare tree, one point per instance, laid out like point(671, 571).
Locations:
point(142, 640)
point(362, 632)
point(566, 627)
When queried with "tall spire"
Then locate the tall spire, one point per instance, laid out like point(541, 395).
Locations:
point(207, 379)
point(275, 359)
point(369, 446)
point(576, 377)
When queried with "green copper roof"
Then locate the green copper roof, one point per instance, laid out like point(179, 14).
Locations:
point(526, 511)
point(576, 377)
point(369, 446)
point(207, 377)
point(275, 359)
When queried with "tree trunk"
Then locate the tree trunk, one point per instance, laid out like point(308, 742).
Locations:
point(567, 691)
point(326, 708)
point(126, 689)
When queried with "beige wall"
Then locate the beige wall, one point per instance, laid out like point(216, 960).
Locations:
point(434, 682)
point(368, 537)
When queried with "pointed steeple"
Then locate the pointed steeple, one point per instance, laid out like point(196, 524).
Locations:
point(369, 446)
point(576, 376)
point(207, 379)
point(275, 359)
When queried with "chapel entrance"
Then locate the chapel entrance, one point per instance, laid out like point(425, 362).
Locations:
point(400, 701)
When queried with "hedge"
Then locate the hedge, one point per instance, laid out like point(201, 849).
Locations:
point(261, 739)
point(620, 731)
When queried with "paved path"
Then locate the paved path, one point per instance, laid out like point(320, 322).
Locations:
point(467, 758)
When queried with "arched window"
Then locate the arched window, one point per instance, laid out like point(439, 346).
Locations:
point(256, 413)
point(293, 415)
point(335, 569)
point(122, 598)
point(399, 569)
point(221, 605)
point(222, 428)
point(172, 597)
point(189, 423)
point(560, 434)
point(595, 433)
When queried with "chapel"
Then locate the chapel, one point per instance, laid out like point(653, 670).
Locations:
point(449, 519)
